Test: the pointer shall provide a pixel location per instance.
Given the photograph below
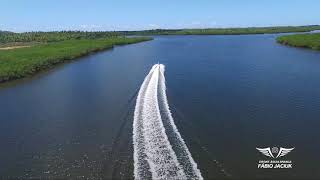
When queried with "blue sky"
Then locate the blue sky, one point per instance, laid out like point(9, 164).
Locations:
point(46, 15)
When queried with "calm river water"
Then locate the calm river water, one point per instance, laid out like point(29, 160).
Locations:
point(228, 95)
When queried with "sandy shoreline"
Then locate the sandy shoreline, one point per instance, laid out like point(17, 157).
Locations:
point(12, 47)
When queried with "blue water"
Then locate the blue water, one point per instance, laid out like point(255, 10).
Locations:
point(228, 95)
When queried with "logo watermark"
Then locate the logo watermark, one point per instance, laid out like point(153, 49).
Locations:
point(274, 153)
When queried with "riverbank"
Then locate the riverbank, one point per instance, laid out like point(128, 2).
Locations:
point(311, 41)
point(22, 62)
point(225, 31)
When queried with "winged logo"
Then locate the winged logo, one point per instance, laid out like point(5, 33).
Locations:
point(266, 151)
point(269, 152)
point(284, 151)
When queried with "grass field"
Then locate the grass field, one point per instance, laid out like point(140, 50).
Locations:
point(21, 62)
point(311, 41)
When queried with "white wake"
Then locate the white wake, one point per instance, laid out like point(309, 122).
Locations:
point(159, 150)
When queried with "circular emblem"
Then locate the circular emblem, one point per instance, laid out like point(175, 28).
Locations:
point(275, 150)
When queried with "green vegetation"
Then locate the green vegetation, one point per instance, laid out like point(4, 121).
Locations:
point(18, 63)
point(42, 50)
point(225, 31)
point(4, 32)
point(55, 36)
point(311, 41)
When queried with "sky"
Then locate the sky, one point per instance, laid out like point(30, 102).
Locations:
point(100, 15)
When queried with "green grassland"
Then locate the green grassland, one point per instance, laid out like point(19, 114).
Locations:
point(311, 41)
point(21, 62)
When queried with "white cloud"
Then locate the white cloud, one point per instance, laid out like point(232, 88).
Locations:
point(90, 27)
point(154, 26)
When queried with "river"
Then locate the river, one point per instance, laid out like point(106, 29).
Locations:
point(228, 95)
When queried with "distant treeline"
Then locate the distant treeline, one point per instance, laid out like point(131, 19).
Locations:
point(225, 31)
point(55, 36)
point(5, 32)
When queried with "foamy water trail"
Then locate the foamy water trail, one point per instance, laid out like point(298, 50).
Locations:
point(159, 150)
